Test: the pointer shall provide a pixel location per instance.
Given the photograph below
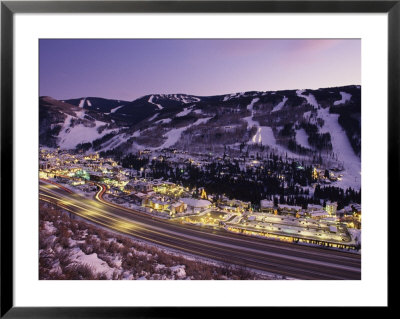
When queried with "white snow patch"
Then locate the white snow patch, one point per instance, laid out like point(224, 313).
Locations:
point(280, 105)
point(88, 103)
point(355, 234)
point(49, 228)
point(185, 111)
point(82, 103)
point(345, 98)
point(153, 117)
point(151, 101)
point(250, 106)
point(80, 114)
point(175, 134)
point(310, 98)
point(116, 108)
point(302, 138)
point(71, 136)
point(136, 133)
point(202, 121)
point(342, 147)
point(113, 143)
point(188, 99)
point(164, 121)
point(98, 265)
point(264, 134)
point(179, 271)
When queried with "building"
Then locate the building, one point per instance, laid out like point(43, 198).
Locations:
point(318, 214)
point(288, 209)
point(234, 205)
point(313, 207)
point(196, 205)
point(143, 187)
point(267, 206)
point(178, 207)
point(331, 208)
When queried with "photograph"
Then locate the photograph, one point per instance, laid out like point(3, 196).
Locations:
point(199, 159)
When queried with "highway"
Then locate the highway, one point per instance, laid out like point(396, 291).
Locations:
point(286, 259)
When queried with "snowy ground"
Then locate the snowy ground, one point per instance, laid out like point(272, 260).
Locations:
point(345, 97)
point(160, 107)
point(174, 135)
point(72, 136)
point(82, 103)
point(185, 111)
point(116, 109)
point(72, 249)
point(153, 117)
point(302, 138)
point(355, 234)
point(264, 134)
point(280, 105)
point(163, 121)
point(114, 142)
point(310, 98)
point(342, 147)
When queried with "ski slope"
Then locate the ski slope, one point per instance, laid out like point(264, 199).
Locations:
point(342, 147)
point(151, 101)
point(280, 105)
point(345, 98)
point(309, 98)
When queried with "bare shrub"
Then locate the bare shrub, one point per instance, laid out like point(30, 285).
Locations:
point(137, 259)
point(79, 272)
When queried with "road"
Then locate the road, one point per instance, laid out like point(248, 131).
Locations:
point(286, 259)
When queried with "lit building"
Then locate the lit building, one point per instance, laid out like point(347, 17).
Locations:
point(196, 205)
point(234, 205)
point(331, 208)
point(178, 207)
point(288, 209)
point(267, 206)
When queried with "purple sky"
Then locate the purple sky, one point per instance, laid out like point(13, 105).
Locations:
point(128, 69)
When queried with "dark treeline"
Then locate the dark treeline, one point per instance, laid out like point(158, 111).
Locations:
point(275, 179)
point(349, 119)
point(135, 162)
point(96, 144)
point(353, 130)
point(336, 194)
point(321, 141)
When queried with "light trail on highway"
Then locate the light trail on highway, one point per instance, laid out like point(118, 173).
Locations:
point(287, 259)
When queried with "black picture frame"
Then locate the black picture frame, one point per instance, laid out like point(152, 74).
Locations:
point(9, 8)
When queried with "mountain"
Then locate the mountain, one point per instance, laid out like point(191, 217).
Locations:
point(314, 125)
point(96, 103)
point(66, 125)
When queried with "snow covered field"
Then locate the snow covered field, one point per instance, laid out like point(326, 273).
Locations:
point(185, 111)
point(345, 98)
point(71, 136)
point(160, 107)
point(310, 98)
point(302, 139)
point(264, 134)
point(280, 105)
point(174, 134)
point(342, 147)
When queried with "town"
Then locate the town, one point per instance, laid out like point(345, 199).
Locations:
point(167, 185)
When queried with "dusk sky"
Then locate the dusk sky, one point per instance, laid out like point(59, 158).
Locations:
point(128, 69)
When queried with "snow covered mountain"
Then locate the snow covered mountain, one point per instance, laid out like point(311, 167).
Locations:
point(304, 124)
point(97, 104)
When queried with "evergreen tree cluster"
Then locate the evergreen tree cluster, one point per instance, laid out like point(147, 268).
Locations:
point(276, 179)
